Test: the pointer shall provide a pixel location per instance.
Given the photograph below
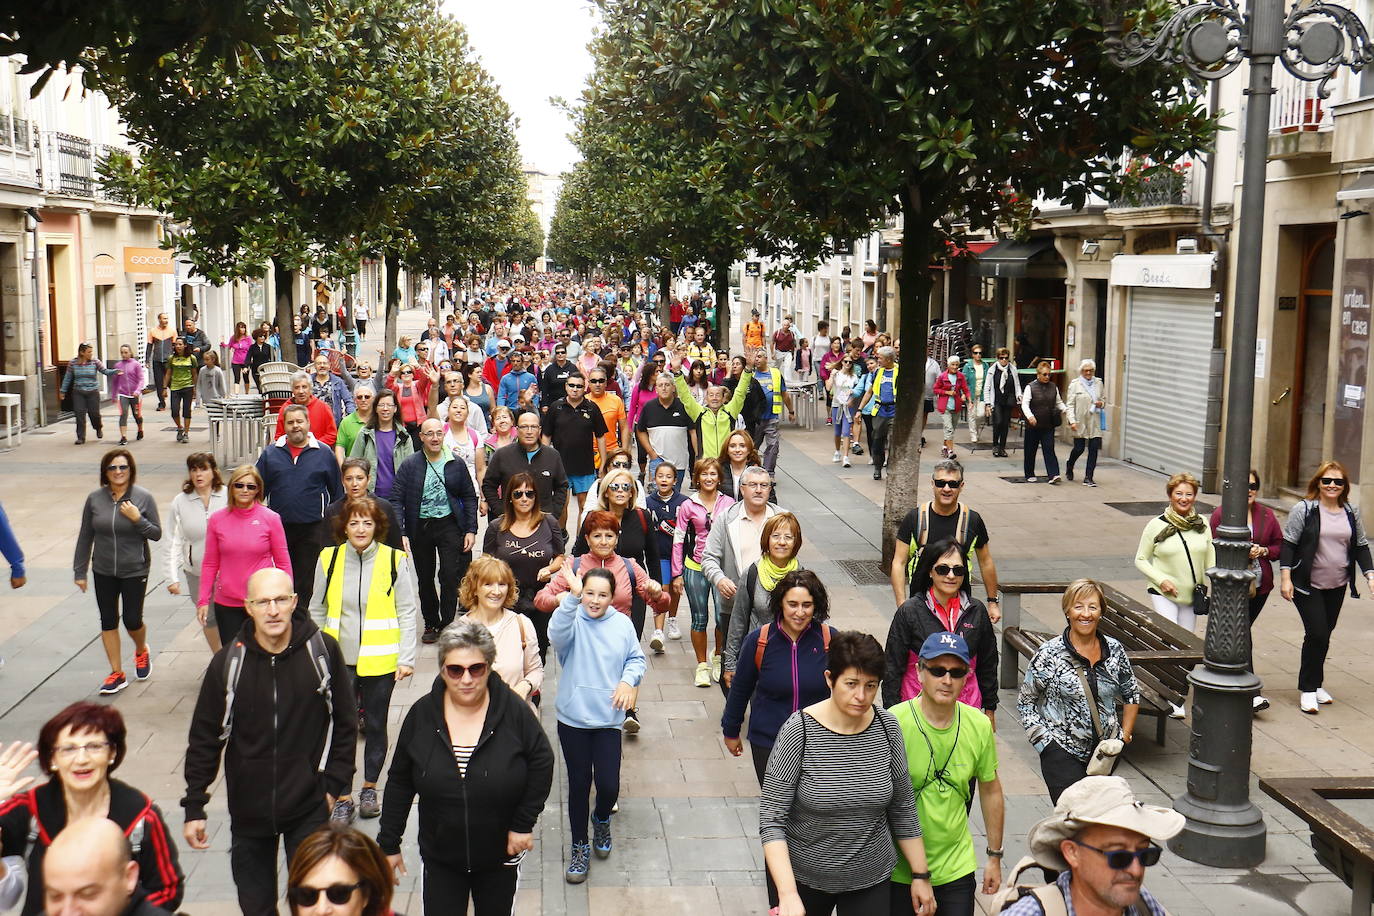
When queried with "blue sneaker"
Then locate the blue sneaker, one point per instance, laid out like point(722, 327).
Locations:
point(601, 837)
point(581, 863)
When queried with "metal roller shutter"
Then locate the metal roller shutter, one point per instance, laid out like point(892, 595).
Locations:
point(1168, 346)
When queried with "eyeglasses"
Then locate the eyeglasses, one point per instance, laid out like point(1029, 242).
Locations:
point(756, 485)
point(620, 487)
point(407, 372)
point(116, 467)
point(240, 485)
point(948, 484)
point(91, 749)
point(303, 895)
point(1326, 481)
point(523, 494)
point(1121, 859)
point(939, 671)
point(456, 672)
point(263, 604)
point(944, 569)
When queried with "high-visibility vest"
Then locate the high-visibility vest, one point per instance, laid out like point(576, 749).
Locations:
point(878, 378)
point(380, 650)
point(776, 380)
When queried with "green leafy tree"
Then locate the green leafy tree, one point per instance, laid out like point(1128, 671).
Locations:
point(844, 113)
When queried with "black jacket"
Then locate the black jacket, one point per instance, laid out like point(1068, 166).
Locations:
point(914, 622)
point(550, 478)
point(1296, 555)
point(161, 881)
point(279, 729)
point(409, 489)
point(464, 819)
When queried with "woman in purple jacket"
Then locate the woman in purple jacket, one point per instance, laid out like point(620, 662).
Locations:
point(1267, 541)
point(127, 390)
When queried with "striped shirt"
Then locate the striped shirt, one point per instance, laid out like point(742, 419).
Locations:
point(462, 754)
point(838, 801)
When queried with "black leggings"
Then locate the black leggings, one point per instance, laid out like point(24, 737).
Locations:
point(1092, 445)
point(590, 754)
point(229, 621)
point(241, 373)
point(760, 756)
point(1320, 608)
point(870, 901)
point(447, 889)
point(1060, 769)
point(953, 898)
point(110, 590)
point(181, 403)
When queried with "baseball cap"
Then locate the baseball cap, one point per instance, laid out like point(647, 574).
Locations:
point(1106, 800)
point(938, 644)
point(504, 344)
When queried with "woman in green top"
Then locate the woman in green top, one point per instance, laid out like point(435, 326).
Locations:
point(183, 367)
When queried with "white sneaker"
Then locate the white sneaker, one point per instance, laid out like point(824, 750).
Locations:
point(845, 463)
point(715, 667)
point(703, 674)
point(673, 631)
point(1307, 702)
point(1259, 704)
point(835, 458)
point(656, 643)
point(1032, 480)
point(1323, 697)
point(1175, 711)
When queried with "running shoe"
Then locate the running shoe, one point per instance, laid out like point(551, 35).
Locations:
point(1323, 697)
point(1032, 480)
point(656, 642)
point(673, 631)
point(344, 812)
point(431, 636)
point(1259, 704)
point(143, 664)
point(140, 434)
point(1307, 702)
point(1089, 482)
point(123, 440)
point(114, 683)
point(715, 667)
point(601, 837)
point(835, 458)
point(632, 722)
point(581, 863)
point(1055, 479)
point(368, 806)
point(845, 463)
point(703, 678)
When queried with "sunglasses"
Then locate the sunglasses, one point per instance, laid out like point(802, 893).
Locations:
point(303, 896)
point(116, 467)
point(596, 381)
point(939, 671)
point(240, 485)
point(523, 494)
point(1254, 488)
point(456, 672)
point(625, 465)
point(1327, 481)
point(578, 386)
point(620, 487)
point(948, 484)
point(1121, 859)
point(944, 569)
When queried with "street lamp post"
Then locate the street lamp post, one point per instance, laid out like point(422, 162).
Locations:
point(1210, 40)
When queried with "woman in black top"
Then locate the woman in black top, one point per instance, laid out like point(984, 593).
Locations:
point(532, 543)
point(259, 353)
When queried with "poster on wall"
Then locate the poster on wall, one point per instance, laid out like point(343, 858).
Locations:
point(1352, 371)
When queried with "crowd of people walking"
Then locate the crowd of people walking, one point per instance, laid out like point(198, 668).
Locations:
point(606, 465)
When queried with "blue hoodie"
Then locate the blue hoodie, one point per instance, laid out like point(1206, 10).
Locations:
point(596, 654)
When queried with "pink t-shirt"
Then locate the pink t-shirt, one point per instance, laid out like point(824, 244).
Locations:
point(1332, 561)
point(238, 543)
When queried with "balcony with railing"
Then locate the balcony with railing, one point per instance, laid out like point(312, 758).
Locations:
point(16, 153)
point(67, 164)
point(1146, 183)
point(1300, 119)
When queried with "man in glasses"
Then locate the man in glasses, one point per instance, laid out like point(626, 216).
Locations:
point(944, 518)
point(1002, 392)
point(349, 427)
point(436, 501)
point(975, 370)
point(555, 375)
point(528, 453)
point(300, 477)
point(576, 427)
point(612, 408)
point(950, 745)
point(288, 737)
point(1101, 838)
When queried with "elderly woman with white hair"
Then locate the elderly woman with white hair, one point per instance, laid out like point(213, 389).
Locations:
point(1085, 403)
point(951, 394)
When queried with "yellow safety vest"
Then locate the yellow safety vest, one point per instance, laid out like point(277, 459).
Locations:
point(381, 643)
point(778, 389)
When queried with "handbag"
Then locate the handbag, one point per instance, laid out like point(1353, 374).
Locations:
point(1108, 750)
point(1202, 602)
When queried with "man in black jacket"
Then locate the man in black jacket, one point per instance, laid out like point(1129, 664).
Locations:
point(90, 869)
point(437, 503)
point(288, 744)
point(528, 453)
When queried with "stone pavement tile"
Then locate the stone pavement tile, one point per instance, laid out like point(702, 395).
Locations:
point(722, 853)
point(663, 901)
point(681, 823)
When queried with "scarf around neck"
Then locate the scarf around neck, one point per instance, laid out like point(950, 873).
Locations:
point(1182, 524)
point(770, 573)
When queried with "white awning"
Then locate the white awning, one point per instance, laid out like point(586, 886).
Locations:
point(1175, 271)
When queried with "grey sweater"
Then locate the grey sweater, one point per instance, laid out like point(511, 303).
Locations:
point(355, 571)
point(109, 542)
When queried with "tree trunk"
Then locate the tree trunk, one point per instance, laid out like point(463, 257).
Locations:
point(393, 305)
point(720, 287)
point(634, 285)
point(904, 486)
point(284, 310)
point(665, 292)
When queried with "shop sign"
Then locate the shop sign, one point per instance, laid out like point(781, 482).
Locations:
point(104, 270)
point(148, 261)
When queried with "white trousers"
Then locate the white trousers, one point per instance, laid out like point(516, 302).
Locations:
point(1180, 614)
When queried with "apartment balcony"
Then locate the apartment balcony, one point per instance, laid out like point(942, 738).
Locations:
point(1300, 120)
point(16, 153)
point(66, 164)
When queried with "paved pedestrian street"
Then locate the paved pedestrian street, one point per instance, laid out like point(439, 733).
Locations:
point(686, 834)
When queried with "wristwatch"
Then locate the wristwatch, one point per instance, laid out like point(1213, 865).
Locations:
point(993, 853)
point(920, 876)
point(994, 599)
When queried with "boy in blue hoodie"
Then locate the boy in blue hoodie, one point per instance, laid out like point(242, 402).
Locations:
point(602, 664)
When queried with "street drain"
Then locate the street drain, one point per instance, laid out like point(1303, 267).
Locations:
point(864, 572)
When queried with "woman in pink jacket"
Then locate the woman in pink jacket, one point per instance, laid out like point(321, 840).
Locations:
point(239, 540)
point(694, 518)
point(951, 394)
point(238, 357)
point(602, 530)
point(127, 390)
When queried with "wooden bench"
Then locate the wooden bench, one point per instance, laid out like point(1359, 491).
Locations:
point(1161, 652)
point(1342, 844)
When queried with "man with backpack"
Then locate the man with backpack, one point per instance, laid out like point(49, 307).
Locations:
point(1101, 839)
point(278, 702)
point(941, 518)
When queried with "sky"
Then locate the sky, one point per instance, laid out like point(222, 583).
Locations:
point(535, 50)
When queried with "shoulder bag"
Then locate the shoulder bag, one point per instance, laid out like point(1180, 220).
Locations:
point(1202, 601)
point(1108, 750)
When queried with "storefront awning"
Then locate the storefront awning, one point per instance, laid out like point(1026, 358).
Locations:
point(1009, 257)
point(1173, 271)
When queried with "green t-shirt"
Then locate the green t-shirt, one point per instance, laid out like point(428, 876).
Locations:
point(349, 427)
point(183, 372)
point(964, 750)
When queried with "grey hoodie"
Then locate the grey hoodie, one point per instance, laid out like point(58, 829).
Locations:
point(109, 542)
